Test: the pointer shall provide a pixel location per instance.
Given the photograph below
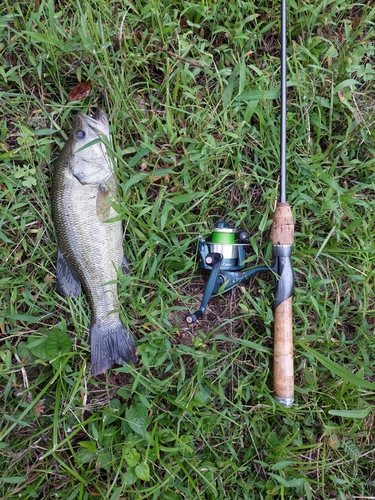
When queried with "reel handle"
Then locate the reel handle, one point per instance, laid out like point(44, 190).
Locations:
point(282, 236)
point(193, 317)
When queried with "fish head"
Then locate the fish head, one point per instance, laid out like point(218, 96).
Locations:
point(90, 137)
point(96, 125)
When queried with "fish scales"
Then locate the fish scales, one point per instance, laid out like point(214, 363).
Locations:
point(90, 249)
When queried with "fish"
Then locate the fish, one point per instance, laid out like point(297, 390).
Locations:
point(90, 245)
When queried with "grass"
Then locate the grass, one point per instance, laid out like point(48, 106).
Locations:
point(191, 90)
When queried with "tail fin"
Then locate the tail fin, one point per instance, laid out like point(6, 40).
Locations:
point(111, 343)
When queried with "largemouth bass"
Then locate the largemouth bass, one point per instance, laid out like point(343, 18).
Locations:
point(90, 249)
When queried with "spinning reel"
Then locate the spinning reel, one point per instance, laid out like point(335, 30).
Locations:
point(224, 257)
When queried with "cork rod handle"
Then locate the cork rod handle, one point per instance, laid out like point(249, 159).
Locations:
point(283, 370)
point(282, 236)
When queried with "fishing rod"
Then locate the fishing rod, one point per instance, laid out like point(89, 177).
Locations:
point(224, 254)
point(282, 237)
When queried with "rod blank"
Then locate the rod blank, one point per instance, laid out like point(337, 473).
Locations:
point(283, 110)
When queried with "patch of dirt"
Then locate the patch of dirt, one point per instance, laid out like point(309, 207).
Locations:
point(223, 315)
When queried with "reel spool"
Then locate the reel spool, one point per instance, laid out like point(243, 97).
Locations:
point(223, 242)
point(224, 258)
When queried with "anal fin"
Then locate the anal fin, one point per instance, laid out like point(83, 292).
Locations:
point(67, 281)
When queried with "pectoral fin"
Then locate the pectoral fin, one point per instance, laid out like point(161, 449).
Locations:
point(67, 282)
point(103, 203)
point(124, 266)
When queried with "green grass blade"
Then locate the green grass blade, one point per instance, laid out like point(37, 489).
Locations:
point(339, 370)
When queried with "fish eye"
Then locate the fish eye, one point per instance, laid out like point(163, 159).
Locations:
point(80, 134)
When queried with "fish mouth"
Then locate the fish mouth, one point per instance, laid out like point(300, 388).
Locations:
point(98, 121)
